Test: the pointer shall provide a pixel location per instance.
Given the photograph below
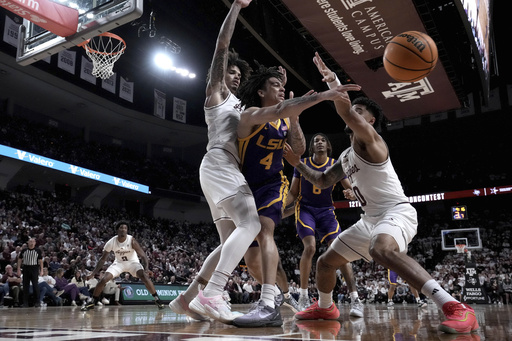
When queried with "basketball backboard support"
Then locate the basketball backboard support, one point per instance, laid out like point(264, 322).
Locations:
point(95, 17)
point(469, 236)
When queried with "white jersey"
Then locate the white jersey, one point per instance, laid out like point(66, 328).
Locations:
point(124, 251)
point(376, 185)
point(222, 121)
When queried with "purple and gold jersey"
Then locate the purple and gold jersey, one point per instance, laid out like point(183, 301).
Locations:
point(261, 156)
point(314, 210)
point(309, 194)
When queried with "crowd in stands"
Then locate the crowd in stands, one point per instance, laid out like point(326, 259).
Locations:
point(72, 236)
point(126, 163)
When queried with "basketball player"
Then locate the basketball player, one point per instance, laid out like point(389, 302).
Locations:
point(267, 122)
point(314, 215)
point(389, 221)
point(393, 282)
point(126, 249)
point(230, 199)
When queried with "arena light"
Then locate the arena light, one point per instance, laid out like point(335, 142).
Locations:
point(163, 61)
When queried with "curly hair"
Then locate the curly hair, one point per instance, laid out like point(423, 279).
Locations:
point(372, 107)
point(235, 60)
point(248, 91)
point(118, 224)
point(312, 144)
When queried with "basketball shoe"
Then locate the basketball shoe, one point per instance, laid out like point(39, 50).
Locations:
point(460, 318)
point(314, 312)
point(303, 302)
point(260, 315)
point(291, 303)
point(180, 306)
point(356, 308)
point(215, 307)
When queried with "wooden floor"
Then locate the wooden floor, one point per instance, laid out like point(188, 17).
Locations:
point(146, 322)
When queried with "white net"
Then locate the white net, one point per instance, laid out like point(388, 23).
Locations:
point(104, 50)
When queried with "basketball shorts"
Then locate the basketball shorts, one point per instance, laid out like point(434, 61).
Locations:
point(129, 266)
point(220, 179)
point(319, 221)
point(270, 198)
point(392, 277)
point(400, 222)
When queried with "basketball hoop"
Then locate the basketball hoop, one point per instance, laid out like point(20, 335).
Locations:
point(104, 50)
point(461, 248)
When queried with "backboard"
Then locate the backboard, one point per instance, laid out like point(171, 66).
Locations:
point(468, 236)
point(95, 17)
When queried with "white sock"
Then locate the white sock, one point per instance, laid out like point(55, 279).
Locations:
point(303, 292)
point(354, 296)
point(268, 294)
point(324, 299)
point(433, 290)
point(216, 284)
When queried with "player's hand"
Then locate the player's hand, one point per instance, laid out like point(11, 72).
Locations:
point(341, 93)
point(290, 156)
point(88, 277)
point(327, 74)
point(149, 273)
point(282, 71)
point(243, 3)
point(349, 194)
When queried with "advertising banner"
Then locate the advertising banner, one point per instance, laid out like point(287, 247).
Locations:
point(134, 293)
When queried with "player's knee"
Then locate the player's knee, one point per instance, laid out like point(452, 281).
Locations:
point(323, 264)
point(309, 251)
point(382, 256)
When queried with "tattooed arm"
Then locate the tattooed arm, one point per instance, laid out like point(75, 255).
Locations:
point(320, 179)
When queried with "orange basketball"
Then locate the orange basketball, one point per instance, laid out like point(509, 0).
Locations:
point(410, 56)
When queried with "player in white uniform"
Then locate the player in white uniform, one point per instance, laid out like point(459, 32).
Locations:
point(228, 194)
point(127, 252)
point(389, 221)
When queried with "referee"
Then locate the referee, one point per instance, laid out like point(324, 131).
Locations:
point(32, 261)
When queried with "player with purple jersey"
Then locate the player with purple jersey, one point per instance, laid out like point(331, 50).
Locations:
point(315, 216)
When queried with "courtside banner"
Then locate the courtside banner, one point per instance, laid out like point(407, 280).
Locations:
point(22, 155)
point(356, 32)
point(468, 193)
point(54, 17)
point(138, 293)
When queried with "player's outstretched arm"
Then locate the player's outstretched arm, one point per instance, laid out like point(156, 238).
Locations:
point(321, 180)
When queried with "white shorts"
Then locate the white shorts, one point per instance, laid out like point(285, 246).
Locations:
point(118, 268)
point(400, 222)
point(221, 179)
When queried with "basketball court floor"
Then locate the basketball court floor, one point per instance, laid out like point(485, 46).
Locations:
point(146, 322)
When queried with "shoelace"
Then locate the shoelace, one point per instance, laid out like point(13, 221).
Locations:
point(454, 309)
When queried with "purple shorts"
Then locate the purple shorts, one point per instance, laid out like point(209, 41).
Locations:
point(392, 277)
point(319, 221)
point(269, 200)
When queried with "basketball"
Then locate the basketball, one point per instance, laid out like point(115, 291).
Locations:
point(410, 56)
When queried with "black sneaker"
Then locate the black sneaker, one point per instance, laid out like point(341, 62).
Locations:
point(260, 316)
point(160, 304)
point(88, 306)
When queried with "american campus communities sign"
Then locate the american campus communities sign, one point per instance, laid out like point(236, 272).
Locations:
point(356, 32)
point(22, 155)
point(138, 293)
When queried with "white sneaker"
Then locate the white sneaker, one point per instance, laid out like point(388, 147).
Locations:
point(215, 307)
point(105, 301)
point(180, 306)
point(391, 303)
point(99, 304)
point(73, 303)
point(303, 302)
point(356, 308)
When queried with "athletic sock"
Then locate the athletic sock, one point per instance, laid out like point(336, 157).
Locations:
point(268, 294)
point(303, 292)
point(433, 290)
point(354, 296)
point(324, 299)
point(216, 284)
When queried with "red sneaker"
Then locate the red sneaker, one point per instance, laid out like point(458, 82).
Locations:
point(460, 318)
point(314, 312)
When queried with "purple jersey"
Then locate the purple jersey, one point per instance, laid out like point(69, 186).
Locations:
point(261, 155)
point(314, 212)
point(309, 194)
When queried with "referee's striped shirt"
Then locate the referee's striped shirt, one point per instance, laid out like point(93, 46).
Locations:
point(30, 256)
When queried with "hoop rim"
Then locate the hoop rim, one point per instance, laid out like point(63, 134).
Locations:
point(461, 248)
point(104, 34)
